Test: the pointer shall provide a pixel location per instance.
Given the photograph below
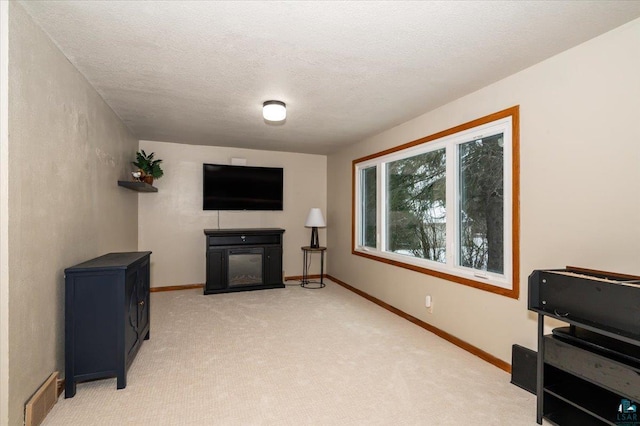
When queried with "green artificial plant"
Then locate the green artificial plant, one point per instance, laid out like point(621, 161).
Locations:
point(148, 165)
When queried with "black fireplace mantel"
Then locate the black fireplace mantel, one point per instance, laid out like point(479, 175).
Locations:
point(243, 259)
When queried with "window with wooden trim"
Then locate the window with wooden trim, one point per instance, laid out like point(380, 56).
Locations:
point(445, 205)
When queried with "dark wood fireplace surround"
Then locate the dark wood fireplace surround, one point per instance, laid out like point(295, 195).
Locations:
point(256, 245)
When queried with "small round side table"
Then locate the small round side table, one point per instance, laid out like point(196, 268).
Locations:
point(305, 282)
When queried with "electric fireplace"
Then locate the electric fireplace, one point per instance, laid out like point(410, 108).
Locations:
point(245, 267)
point(243, 259)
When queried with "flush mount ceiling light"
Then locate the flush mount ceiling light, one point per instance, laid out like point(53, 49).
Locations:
point(274, 110)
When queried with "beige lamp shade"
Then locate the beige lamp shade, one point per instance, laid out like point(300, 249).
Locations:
point(315, 219)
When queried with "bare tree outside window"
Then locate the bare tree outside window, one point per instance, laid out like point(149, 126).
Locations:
point(481, 218)
point(416, 213)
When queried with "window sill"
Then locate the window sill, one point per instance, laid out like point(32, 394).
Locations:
point(480, 284)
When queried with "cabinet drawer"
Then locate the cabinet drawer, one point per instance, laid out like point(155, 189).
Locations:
point(622, 378)
point(233, 240)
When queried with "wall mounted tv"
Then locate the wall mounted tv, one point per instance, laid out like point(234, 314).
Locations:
point(241, 187)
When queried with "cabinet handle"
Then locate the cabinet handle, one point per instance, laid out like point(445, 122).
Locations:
point(141, 302)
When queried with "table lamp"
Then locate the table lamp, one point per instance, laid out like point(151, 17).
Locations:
point(315, 221)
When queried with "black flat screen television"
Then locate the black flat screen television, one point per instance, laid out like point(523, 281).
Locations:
point(241, 187)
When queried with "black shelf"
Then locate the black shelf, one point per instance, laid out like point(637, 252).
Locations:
point(562, 414)
point(582, 395)
point(616, 333)
point(137, 186)
point(616, 349)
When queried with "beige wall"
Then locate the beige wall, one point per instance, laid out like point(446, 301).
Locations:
point(580, 186)
point(67, 149)
point(171, 221)
point(4, 216)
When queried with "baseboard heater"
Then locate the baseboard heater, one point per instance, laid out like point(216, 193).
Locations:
point(42, 401)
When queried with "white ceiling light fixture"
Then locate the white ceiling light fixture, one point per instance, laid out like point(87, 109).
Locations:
point(274, 111)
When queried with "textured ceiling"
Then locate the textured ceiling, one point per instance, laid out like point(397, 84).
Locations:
point(198, 72)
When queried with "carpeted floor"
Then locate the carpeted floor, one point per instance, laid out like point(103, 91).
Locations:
point(295, 356)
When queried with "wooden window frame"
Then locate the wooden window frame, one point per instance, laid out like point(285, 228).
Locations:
point(514, 291)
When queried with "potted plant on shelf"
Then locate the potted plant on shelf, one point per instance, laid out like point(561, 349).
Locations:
point(148, 167)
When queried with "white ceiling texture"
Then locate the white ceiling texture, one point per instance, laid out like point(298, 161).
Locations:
point(197, 72)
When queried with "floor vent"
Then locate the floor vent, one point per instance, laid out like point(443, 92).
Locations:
point(42, 401)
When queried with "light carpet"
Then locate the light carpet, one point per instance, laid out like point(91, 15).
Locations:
point(295, 356)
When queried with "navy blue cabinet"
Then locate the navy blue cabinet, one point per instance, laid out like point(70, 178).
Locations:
point(106, 317)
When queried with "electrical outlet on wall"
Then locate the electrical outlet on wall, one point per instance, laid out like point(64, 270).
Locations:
point(428, 303)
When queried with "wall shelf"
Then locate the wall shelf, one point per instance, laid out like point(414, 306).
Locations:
point(137, 186)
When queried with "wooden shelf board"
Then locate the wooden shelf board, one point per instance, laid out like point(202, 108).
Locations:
point(137, 186)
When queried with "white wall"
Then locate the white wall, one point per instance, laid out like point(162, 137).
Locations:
point(171, 221)
point(67, 150)
point(580, 187)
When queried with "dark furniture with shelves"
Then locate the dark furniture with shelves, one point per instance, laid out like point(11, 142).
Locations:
point(106, 317)
point(589, 372)
point(243, 259)
point(306, 257)
point(137, 186)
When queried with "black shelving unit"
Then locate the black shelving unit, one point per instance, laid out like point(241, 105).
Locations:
point(588, 369)
point(137, 186)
